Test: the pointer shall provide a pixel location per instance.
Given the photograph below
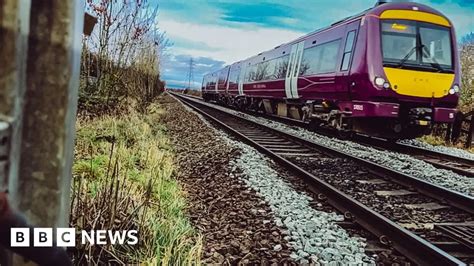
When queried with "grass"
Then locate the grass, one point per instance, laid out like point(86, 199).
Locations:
point(433, 140)
point(123, 179)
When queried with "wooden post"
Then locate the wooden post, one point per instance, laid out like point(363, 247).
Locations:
point(470, 133)
point(448, 137)
point(47, 148)
point(14, 28)
point(40, 51)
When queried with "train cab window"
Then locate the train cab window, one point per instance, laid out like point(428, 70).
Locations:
point(420, 45)
point(320, 59)
point(346, 58)
point(437, 43)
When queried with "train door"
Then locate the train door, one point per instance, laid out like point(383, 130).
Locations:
point(291, 80)
point(343, 82)
point(229, 77)
point(241, 78)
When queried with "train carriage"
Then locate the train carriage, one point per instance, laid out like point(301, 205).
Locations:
point(390, 71)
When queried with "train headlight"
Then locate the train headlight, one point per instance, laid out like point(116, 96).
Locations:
point(379, 82)
point(386, 85)
point(452, 91)
point(456, 88)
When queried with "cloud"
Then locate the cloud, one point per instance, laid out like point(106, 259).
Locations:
point(262, 14)
point(206, 43)
point(461, 13)
point(230, 44)
point(176, 68)
point(226, 31)
point(175, 84)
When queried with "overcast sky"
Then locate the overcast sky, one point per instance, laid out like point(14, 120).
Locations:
point(220, 32)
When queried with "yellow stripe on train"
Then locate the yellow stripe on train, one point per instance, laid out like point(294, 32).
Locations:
point(419, 83)
point(415, 15)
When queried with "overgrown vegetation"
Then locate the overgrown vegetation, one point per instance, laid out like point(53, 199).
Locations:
point(121, 59)
point(466, 100)
point(123, 172)
point(123, 181)
point(466, 103)
point(440, 141)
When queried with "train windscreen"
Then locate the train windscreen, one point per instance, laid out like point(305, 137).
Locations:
point(416, 45)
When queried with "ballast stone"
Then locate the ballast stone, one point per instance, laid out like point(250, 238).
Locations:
point(292, 210)
point(396, 161)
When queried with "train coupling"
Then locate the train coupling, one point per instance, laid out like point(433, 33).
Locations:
point(420, 116)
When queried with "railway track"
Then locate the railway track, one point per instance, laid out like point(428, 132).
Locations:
point(462, 166)
point(443, 244)
point(459, 165)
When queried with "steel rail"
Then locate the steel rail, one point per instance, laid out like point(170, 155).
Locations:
point(422, 153)
point(453, 198)
point(409, 244)
point(425, 154)
point(392, 146)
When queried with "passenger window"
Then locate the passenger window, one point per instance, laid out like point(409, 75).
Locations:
point(234, 74)
point(346, 59)
point(222, 76)
point(320, 59)
point(268, 70)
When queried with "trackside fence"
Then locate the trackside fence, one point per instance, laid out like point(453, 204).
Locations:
point(462, 129)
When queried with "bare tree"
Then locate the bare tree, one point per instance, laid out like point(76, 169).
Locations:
point(467, 75)
point(123, 54)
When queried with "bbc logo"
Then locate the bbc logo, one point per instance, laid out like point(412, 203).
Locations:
point(42, 237)
point(66, 237)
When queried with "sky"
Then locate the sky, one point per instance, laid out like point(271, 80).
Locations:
point(216, 33)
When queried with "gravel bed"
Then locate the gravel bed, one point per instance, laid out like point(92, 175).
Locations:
point(396, 161)
point(237, 225)
point(306, 234)
point(442, 149)
point(313, 234)
point(361, 185)
point(352, 180)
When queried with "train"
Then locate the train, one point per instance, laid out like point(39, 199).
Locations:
point(391, 71)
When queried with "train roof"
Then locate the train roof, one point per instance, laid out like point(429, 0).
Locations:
point(376, 10)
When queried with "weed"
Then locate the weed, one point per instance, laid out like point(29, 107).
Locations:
point(123, 180)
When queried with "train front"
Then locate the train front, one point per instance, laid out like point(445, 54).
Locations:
point(414, 55)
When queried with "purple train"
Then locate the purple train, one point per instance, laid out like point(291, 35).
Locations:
point(391, 71)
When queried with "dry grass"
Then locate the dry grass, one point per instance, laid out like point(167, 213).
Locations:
point(123, 180)
point(439, 141)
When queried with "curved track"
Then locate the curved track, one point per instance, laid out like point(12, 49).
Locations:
point(287, 150)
